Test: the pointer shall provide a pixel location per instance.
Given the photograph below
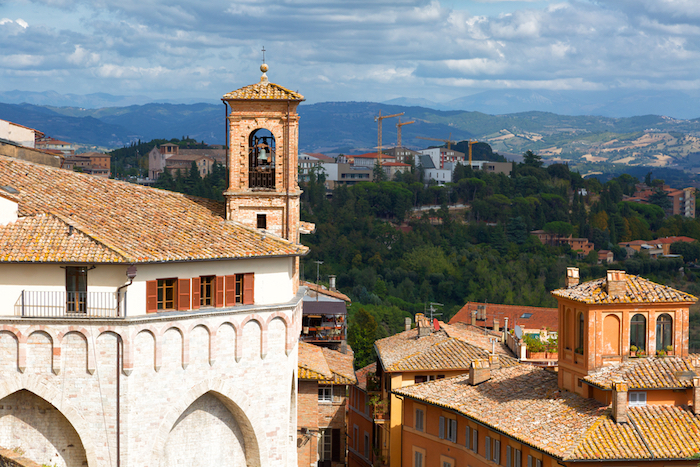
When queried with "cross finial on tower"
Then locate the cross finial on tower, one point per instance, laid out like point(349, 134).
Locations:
point(263, 67)
point(263, 51)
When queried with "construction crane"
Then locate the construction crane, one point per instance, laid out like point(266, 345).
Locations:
point(379, 119)
point(447, 141)
point(398, 131)
point(470, 151)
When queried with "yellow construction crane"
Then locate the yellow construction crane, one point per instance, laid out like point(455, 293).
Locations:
point(447, 141)
point(379, 119)
point(470, 151)
point(398, 131)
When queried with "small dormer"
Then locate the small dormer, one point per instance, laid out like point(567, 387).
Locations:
point(9, 205)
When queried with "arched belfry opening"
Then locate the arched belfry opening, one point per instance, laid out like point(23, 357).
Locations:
point(263, 132)
point(262, 156)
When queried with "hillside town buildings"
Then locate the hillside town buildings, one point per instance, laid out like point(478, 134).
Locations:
point(174, 159)
point(164, 335)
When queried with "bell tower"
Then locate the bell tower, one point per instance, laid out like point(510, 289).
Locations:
point(263, 129)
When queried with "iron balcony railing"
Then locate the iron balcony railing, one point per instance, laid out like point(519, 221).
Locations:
point(63, 304)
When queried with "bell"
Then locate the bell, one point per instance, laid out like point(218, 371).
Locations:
point(262, 156)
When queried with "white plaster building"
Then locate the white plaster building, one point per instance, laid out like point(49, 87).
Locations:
point(140, 327)
point(18, 134)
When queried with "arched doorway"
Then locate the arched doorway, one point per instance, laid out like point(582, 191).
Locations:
point(262, 153)
point(208, 433)
point(33, 426)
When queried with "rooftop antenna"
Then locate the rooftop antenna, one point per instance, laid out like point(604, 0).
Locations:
point(318, 265)
point(432, 310)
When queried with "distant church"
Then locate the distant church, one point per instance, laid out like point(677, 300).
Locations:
point(140, 327)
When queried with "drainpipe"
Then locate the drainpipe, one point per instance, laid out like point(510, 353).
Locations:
point(131, 274)
point(119, 358)
point(286, 171)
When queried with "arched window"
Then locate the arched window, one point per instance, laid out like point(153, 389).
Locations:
point(261, 159)
point(569, 329)
point(579, 333)
point(664, 331)
point(638, 332)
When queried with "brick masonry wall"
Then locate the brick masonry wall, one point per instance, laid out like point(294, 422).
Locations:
point(194, 387)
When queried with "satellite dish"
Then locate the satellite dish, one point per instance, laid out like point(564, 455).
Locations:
point(518, 332)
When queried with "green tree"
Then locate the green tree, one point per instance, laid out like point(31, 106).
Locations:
point(362, 332)
point(531, 159)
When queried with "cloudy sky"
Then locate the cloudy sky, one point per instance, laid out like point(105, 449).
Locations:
point(332, 50)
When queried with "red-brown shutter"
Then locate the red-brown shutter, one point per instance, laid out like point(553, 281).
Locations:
point(230, 291)
point(219, 292)
point(196, 292)
point(183, 294)
point(151, 296)
point(248, 288)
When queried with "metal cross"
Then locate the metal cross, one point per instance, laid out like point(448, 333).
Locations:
point(263, 51)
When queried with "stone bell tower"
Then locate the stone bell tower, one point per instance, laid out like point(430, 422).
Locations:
point(263, 127)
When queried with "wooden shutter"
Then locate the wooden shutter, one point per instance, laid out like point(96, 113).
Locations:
point(219, 292)
point(151, 296)
point(335, 445)
point(466, 443)
point(487, 447)
point(196, 292)
point(183, 294)
point(442, 428)
point(453, 438)
point(230, 290)
point(509, 456)
point(248, 288)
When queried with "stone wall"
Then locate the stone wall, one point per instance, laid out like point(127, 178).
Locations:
point(193, 387)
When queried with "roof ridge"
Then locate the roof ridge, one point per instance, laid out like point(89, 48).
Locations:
point(89, 234)
point(602, 418)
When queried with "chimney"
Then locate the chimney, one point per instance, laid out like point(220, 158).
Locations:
point(571, 277)
point(332, 281)
point(505, 324)
point(494, 362)
point(473, 317)
point(423, 325)
point(696, 395)
point(407, 324)
point(496, 325)
point(619, 401)
point(479, 371)
point(616, 283)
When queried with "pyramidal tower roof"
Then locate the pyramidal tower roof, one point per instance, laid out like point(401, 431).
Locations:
point(263, 90)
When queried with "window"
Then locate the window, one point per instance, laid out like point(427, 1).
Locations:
point(466, 442)
point(475, 441)
point(452, 430)
point(637, 399)
point(417, 459)
point(638, 331)
point(419, 419)
point(487, 447)
point(262, 221)
point(579, 335)
point(538, 462)
point(366, 445)
point(355, 437)
point(325, 394)
point(529, 461)
point(518, 458)
point(76, 289)
point(509, 456)
point(325, 445)
point(497, 451)
point(207, 286)
point(664, 330)
point(167, 291)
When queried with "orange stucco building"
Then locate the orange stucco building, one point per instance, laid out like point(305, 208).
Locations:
point(604, 404)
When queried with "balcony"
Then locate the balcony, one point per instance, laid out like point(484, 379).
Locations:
point(262, 178)
point(62, 304)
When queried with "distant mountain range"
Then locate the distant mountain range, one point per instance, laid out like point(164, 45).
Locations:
point(349, 127)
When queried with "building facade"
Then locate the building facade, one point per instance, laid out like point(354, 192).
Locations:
point(165, 335)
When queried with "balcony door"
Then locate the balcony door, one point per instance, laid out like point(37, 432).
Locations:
point(76, 289)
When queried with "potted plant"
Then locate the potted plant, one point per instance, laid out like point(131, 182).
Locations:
point(641, 353)
point(669, 350)
point(633, 350)
point(660, 353)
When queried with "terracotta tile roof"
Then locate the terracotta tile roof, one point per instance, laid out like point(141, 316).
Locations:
point(325, 365)
point(307, 227)
point(647, 373)
point(540, 318)
point(522, 401)
point(341, 364)
point(638, 290)
point(526, 404)
point(363, 373)
point(408, 352)
point(139, 224)
point(476, 336)
point(263, 90)
point(314, 288)
point(674, 240)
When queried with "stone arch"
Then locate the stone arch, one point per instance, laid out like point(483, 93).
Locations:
point(236, 402)
point(199, 345)
point(251, 342)
point(170, 348)
point(288, 327)
point(9, 347)
point(53, 396)
point(74, 353)
point(141, 359)
point(277, 335)
point(40, 351)
point(611, 335)
point(226, 344)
